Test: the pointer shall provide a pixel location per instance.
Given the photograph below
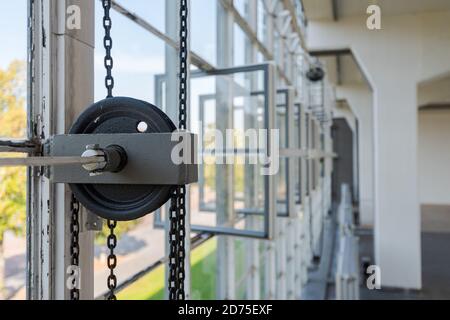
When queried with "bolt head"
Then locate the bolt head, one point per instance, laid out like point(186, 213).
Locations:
point(94, 168)
point(93, 147)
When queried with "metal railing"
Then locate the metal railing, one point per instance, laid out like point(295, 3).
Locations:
point(347, 268)
point(347, 271)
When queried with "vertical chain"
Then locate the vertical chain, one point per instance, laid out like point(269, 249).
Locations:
point(107, 43)
point(109, 84)
point(74, 243)
point(177, 233)
point(183, 126)
point(181, 242)
point(173, 242)
point(112, 260)
point(183, 64)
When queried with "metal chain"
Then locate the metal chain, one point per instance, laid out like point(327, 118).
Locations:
point(109, 84)
point(183, 63)
point(173, 244)
point(177, 233)
point(112, 260)
point(107, 43)
point(74, 242)
point(177, 209)
point(181, 242)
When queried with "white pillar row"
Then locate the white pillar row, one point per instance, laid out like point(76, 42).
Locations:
point(360, 100)
point(406, 51)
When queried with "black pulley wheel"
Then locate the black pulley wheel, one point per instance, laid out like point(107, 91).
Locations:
point(122, 115)
point(315, 74)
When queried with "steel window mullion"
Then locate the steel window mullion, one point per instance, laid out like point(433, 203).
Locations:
point(251, 34)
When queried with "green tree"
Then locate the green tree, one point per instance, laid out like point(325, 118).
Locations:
point(12, 180)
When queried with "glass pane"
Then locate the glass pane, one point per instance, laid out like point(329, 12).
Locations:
point(262, 22)
point(282, 178)
point(297, 144)
point(152, 11)
point(240, 46)
point(228, 113)
point(204, 40)
point(223, 109)
point(314, 147)
point(241, 271)
point(241, 7)
point(308, 147)
point(136, 251)
point(135, 62)
point(13, 120)
point(204, 271)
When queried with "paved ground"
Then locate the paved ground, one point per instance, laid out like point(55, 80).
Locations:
point(435, 260)
point(136, 250)
point(14, 266)
point(317, 286)
point(435, 271)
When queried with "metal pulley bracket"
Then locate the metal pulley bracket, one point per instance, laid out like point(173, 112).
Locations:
point(149, 158)
point(122, 158)
point(145, 133)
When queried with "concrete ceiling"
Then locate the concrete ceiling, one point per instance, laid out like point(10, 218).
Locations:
point(435, 93)
point(318, 9)
point(336, 9)
point(343, 69)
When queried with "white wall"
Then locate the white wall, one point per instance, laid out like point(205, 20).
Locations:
point(410, 49)
point(359, 97)
point(434, 157)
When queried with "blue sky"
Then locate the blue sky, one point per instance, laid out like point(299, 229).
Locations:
point(13, 31)
point(138, 55)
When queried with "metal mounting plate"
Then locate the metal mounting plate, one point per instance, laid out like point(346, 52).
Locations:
point(149, 159)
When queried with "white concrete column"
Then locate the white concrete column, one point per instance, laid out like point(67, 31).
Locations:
point(360, 100)
point(393, 61)
point(397, 232)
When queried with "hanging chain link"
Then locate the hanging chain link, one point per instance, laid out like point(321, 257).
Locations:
point(182, 126)
point(109, 84)
point(183, 63)
point(178, 207)
point(181, 242)
point(173, 242)
point(74, 243)
point(177, 232)
point(112, 260)
point(107, 43)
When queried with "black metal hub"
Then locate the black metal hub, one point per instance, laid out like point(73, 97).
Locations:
point(315, 74)
point(122, 115)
